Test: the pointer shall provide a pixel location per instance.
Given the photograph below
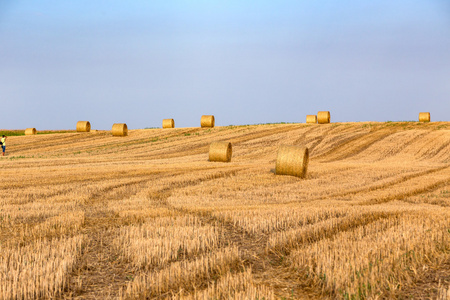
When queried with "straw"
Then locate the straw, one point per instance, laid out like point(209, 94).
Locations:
point(220, 151)
point(292, 160)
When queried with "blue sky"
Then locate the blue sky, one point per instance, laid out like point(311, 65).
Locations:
point(246, 62)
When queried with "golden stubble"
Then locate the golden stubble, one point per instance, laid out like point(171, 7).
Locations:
point(89, 215)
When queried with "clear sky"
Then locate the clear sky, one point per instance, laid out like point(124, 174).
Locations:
point(246, 62)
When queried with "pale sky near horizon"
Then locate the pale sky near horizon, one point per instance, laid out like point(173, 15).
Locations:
point(246, 62)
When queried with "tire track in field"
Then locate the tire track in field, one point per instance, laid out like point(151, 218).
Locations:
point(130, 141)
point(404, 194)
point(302, 140)
point(299, 280)
point(433, 152)
point(401, 188)
point(338, 137)
point(382, 186)
point(80, 178)
point(99, 272)
point(261, 134)
point(105, 193)
point(41, 145)
point(160, 196)
point(98, 257)
point(259, 148)
point(161, 148)
point(159, 143)
point(438, 197)
point(58, 145)
point(353, 146)
point(440, 149)
point(58, 189)
point(316, 141)
point(266, 266)
point(429, 283)
point(406, 144)
point(201, 145)
point(102, 272)
point(91, 161)
point(341, 136)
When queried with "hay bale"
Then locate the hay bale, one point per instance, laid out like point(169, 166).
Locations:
point(311, 119)
point(119, 129)
point(292, 160)
point(83, 126)
point(424, 117)
point(207, 121)
point(30, 131)
point(220, 151)
point(323, 117)
point(168, 123)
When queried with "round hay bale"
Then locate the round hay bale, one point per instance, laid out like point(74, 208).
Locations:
point(207, 121)
point(83, 126)
point(292, 160)
point(30, 131)
point(311, 119)
point(424, 117)
point(119, 129)
point(323, 117)
point(168, 123)
point(220, 151)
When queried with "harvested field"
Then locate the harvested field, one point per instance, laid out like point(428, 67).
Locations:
point(91, 216)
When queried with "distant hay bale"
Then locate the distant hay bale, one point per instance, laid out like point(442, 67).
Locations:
point(207, 121)
point(30, 131)
point(311, 119)
point(292, 160)
point(220, 151)
point(168, 123)
point(323, 117)
point(424, 117)
point(83, 126)
point(119, 129)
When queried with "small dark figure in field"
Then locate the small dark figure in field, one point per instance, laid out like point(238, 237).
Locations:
point(3, 142)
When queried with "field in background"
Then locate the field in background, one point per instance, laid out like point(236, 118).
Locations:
point(91, 216)
point(22, 132)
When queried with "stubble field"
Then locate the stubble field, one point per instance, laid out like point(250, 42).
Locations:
point(91, 216)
